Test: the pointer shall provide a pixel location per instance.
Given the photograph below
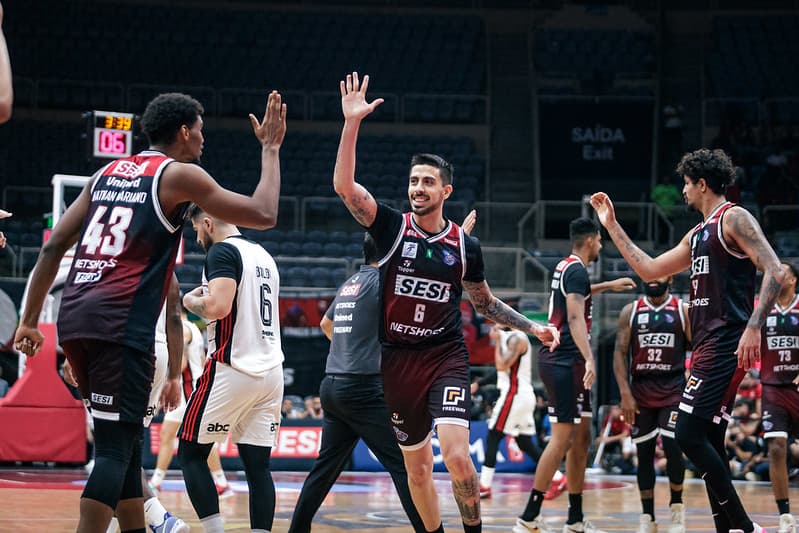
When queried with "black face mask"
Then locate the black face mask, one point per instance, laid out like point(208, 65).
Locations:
point(656, 289)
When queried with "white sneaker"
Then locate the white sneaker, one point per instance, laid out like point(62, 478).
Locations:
point(787, 524)
point(581, 527)
point(533, 526)
point(646, 524)
point(677, 524)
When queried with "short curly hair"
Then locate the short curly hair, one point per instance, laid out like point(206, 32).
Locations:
point(714, 166)
point(166, 113)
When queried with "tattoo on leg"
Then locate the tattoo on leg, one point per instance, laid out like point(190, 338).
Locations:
point(467, 495)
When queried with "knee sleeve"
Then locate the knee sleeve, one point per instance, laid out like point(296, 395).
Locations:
point(675, 462)
point(115, 444)
point(492, 446)
point(646, 464)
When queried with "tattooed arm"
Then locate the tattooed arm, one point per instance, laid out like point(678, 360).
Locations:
point(498, 311)
point(358, 200)
point(213, 303)
point(741, 230)
point(666, 264)
point(620, 368)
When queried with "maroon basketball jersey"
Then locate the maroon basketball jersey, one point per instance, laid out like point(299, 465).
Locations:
point(722, 286)
point(421, 278)
point(124, 257)
point(570, 276)
point(658, 345)
point(780, 345)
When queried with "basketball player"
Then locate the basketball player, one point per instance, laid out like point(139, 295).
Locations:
point(513, 411)
point(517, 399)
point(426, 262)
point(723, 252)
point(241, 387)
point(568, 374)
point(779, 374)
point(127, 223)
point(656, 327)
point(192, 367)
point(352, 395)
point(6, 87)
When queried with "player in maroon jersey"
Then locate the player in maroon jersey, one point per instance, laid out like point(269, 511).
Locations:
point(426, 262)
point(127, 225)
point(779, 374)
point(722, 252)
point(657, 330)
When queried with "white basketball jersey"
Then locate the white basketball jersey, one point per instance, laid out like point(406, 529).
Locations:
point(195, 352)
point(248, 339)
point(520, 374)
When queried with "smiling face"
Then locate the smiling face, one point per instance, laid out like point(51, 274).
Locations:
point(426, 190)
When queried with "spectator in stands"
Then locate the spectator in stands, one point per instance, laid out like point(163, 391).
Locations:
point(6, 87)
point(619, 452)
point(313, 408)
point(751, 389)
point(287, 409)
point(666, 196)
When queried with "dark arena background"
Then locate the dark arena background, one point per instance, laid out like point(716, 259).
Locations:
point(537, 103)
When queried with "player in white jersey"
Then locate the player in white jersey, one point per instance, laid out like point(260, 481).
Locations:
point(241, 388)
point(192, 368)
point(513, 411)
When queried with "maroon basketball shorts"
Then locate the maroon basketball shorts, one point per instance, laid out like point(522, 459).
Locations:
point(569, 401)
point(426, 388)
point(649, 421)
point(114, 379)
point(710, 390)
point(780, 411)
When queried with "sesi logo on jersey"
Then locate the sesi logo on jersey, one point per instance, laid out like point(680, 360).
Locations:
point(656, 339)
point(425, 289)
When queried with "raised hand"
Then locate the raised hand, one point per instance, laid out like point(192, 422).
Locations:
point(604, 208)
point(353, 98)
point(271, 131)
point(622, 284)
point(469, 222)
point(4, 214)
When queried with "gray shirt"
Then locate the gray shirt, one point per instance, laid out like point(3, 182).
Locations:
point(355, 312)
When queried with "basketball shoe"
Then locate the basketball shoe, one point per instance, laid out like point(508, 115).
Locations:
point(677, 524)
point(533, 526)
point(582, 527)
point(171, 524)
point(646, 524)
point(556, 486)
point(787, 524)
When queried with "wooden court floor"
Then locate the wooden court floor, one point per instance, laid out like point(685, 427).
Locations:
point(47, 500)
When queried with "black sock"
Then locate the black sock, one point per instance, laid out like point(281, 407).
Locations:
point(533, 508)
point(473, 529)
point(649, 507)
point(575, 509)
point(439, 529)
point(676, 496)
point(142, 530)
point(784, 506)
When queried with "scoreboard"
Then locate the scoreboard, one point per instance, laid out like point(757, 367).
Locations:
point(112, 134)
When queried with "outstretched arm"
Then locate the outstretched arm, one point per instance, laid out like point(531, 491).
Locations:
point(666, 264)
point(620, 369)
point(501, 313)
point(358, 200)
point(183, 182)
point(744, 231)
point(615, 285)
point(6, 86)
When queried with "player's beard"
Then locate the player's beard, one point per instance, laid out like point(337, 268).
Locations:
point(206, 242)
point(656, 289)
point(422, 211)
